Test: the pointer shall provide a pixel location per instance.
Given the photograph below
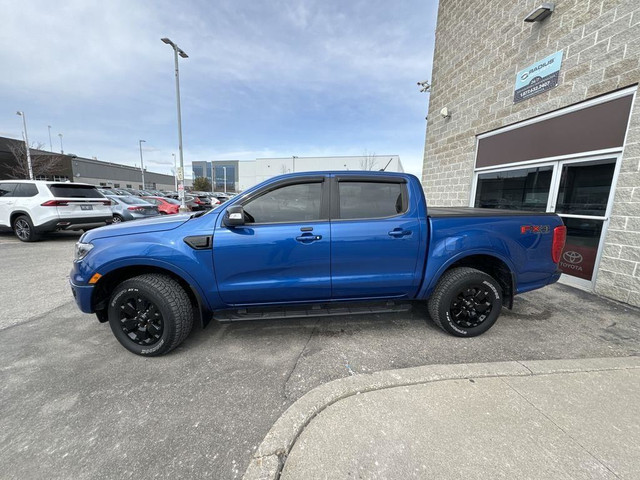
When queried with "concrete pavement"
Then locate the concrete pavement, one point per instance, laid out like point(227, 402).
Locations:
point(75, 404)
point(557, 419)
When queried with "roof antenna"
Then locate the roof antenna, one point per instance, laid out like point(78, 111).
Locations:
point(385, 167)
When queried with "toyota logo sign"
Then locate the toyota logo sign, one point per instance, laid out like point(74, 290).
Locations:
point(572, 257)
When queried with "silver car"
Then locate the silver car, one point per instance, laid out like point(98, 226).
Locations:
point(128, 207)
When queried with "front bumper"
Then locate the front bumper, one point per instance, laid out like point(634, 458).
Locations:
point(82, 295)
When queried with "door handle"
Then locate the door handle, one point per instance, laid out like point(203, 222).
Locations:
point(399, 233)
point(308, 238)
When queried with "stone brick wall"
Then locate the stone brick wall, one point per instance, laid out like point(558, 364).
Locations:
point(480, 46)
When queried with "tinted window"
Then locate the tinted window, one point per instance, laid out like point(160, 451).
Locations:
point(6, 189)
point(25, 190)
point(171, 201)
point(69, 190)
point(522, 189)
point(584, 189)
point(371, 199)
point(293, 203)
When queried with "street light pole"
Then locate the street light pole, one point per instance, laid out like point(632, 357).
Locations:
point(177, 51)
point(224, 169)
point(294, 163)
point(175, 172)
point(26, 144)
point(140, 142)
point(50, 144)
point(61, 149)
point(212, 176)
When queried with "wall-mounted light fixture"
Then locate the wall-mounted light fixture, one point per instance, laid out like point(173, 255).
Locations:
point(540, 13)
point(445, 113)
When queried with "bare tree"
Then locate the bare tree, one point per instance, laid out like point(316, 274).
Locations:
point(43, 164)
point(283, 168)
point(368, 161)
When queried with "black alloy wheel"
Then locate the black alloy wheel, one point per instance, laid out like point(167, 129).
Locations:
point(466, 302)
point(141, 320)
point(150, 314)
point(471, 306)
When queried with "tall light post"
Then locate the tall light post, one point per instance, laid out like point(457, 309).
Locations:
point(175, 172)
point(294, 163)
point(61, 149)
point(212, 175)
point(26, 143)
point(177, 51)
point(140, 142)
point(50, 144)
point(224, 170)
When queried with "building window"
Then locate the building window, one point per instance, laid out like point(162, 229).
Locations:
point(522, 189)
point(103, 184)
point(116, 185)
point(128, 185)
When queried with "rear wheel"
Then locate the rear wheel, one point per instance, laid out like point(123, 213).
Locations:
point(466, 302)
point(117, 218)
point(23, 228)
point(150, 315)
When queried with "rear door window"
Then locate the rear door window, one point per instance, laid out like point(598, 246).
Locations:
point(359, 200)
point(6, 189)
point(69, 190)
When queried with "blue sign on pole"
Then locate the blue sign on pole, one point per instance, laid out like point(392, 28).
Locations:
point(538, 78)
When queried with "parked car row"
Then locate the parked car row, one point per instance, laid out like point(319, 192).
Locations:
point(33, 207)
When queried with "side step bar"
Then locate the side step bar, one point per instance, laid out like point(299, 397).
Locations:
point(310, 310)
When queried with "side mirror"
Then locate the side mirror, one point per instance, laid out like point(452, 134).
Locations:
point(234, 216)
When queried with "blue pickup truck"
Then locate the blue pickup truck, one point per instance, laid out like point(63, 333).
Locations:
point(312, 244)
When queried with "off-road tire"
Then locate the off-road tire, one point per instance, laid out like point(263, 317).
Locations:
point(170, 300)
point(453, 283)
point(23, 229)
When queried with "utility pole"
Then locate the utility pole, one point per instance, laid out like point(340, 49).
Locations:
point(140, 142)
point(175, 172)
point(50, 144)
point(177, 51)
point(61, 149)
point(26, 143)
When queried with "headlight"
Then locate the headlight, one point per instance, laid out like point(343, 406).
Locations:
point(81, 250)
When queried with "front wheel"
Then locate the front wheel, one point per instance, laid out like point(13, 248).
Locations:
point(150, 315)
point(466, 302)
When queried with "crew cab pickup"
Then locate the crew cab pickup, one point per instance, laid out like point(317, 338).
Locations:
point(311, 244)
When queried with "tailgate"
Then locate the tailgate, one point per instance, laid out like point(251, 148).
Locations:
point(76, 208)
point(79, 201)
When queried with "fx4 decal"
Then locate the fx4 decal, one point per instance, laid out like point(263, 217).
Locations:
point(524, 229)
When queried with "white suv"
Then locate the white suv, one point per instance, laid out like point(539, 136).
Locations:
point(32, 207)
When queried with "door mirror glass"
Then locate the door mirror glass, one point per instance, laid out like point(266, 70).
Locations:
point(234, 216)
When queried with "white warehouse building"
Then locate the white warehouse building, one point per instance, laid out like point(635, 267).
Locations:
point(238, 175)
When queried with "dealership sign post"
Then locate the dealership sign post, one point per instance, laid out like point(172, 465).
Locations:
point(538, 78)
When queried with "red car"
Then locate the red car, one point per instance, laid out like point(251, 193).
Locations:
point(166, 206)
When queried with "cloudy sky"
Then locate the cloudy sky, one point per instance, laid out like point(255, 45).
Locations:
point(263, 78)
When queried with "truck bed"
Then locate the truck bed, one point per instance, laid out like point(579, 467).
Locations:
point(443, 212)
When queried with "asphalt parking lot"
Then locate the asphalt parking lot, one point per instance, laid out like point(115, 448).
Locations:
point(75, 404)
